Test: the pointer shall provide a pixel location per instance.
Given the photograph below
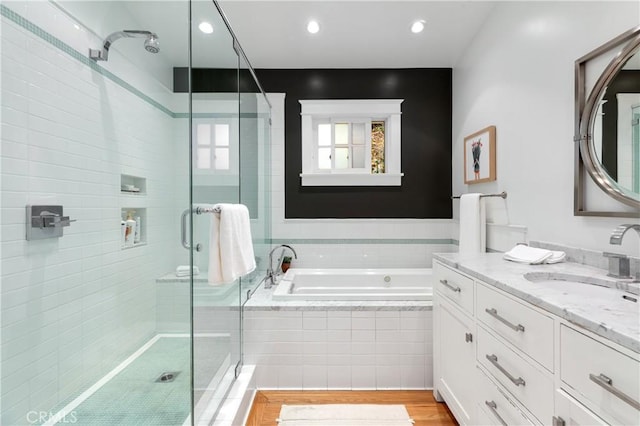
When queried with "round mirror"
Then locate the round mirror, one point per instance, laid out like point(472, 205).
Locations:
point(611, 122)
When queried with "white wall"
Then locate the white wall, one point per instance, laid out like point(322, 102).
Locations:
point(72, 308)
point(518, 76)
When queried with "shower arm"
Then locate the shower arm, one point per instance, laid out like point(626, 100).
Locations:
point(103, 55)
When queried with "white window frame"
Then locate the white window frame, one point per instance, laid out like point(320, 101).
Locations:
point(232, 124)
point(314, 112)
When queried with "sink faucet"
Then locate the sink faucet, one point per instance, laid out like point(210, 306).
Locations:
point(619, 263)
point(271, 274)
point(618, 233)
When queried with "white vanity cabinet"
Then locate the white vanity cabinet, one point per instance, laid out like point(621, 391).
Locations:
point(528, 366)
point(454, 330)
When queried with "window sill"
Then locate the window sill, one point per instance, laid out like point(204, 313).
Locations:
point(351, 179)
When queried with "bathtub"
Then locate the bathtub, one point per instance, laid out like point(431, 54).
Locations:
point(354, 284)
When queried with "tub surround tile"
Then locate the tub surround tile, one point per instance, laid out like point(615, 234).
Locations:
point(300, 349)
point(584, 305)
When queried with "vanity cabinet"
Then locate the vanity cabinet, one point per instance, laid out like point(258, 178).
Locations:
point(500, 360)
point(457, 359)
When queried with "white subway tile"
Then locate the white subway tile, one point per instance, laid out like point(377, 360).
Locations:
point(388, 377)
point(363, 376)
point(314, 377)
point(339, 377)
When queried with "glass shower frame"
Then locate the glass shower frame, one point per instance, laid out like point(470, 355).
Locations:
point(247, 182)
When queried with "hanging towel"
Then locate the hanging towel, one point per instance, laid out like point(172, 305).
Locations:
point(533, 256)
point(230, 245)
point(472, 225)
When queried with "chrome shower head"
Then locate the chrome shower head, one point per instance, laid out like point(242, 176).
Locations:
point(151, 43)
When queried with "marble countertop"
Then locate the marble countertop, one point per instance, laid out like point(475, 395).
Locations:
point(598, 309)
point(261, 300)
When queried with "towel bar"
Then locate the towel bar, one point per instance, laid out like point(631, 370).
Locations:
point(503, 195)
point(183, 222)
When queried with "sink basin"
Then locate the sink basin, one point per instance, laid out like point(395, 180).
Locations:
point(554, 277)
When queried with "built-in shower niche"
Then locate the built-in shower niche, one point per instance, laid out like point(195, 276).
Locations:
point(133, 198)
point(133, 185)
point(139, 214)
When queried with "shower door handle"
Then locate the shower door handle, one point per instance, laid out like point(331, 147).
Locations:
point(183, 228)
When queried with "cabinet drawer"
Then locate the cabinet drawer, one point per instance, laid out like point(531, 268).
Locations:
point(530, 385)
point(494, 406)
point(571, 412)
point(455, 286)
point(525, 328)
point(586, 366)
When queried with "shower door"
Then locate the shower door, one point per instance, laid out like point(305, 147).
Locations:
point(215, 179)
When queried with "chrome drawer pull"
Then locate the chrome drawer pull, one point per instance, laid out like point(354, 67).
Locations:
point(494, 360)
point(607, 383)
point(449, 286)
point(494, 313)
point(493, 407)
point(557, 421)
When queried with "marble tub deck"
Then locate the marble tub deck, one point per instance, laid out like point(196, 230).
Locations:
point(595, 308)
point(261, 300)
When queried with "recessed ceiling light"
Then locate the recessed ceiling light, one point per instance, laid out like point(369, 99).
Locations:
point(417, 26)
point(206, 27)
point(313, 27)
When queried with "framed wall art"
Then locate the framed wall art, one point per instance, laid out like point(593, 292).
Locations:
point(480, 156)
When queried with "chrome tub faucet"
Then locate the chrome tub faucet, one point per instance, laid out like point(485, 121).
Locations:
point(272, 275)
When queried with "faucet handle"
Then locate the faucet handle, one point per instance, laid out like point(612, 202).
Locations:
point(618, 265)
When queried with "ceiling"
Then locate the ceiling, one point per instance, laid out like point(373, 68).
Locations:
point(355, 34)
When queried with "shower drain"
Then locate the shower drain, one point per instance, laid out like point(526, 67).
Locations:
point(167, 377)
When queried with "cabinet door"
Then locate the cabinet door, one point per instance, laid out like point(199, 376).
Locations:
point(456, 352)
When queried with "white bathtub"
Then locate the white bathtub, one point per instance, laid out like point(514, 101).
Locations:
point(355, 284)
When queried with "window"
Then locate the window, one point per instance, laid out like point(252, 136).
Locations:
point(351, 142)
point(212, 146)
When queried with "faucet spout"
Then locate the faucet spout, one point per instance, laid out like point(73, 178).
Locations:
point(271, 277)
point(618, 233)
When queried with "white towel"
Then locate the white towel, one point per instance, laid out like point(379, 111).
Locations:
point(473, 226)
point(230, 245)
point(533, 256)
point(185, 271)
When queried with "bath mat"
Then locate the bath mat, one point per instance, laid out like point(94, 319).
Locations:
point(344, 415)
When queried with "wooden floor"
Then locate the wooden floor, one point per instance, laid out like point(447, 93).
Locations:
point(422, 408)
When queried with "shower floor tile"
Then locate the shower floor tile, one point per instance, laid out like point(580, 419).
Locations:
point(133, 397)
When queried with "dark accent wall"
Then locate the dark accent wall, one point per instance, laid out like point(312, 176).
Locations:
point(626, 81)
point(426, 137)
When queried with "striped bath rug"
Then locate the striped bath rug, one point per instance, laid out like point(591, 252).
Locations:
point(344, 415)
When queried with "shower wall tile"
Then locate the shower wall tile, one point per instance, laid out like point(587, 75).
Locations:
point(75, 307)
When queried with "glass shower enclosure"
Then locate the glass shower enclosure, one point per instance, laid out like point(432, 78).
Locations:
point(107, 315)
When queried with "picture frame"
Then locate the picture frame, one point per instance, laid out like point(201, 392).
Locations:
point(480, 156)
